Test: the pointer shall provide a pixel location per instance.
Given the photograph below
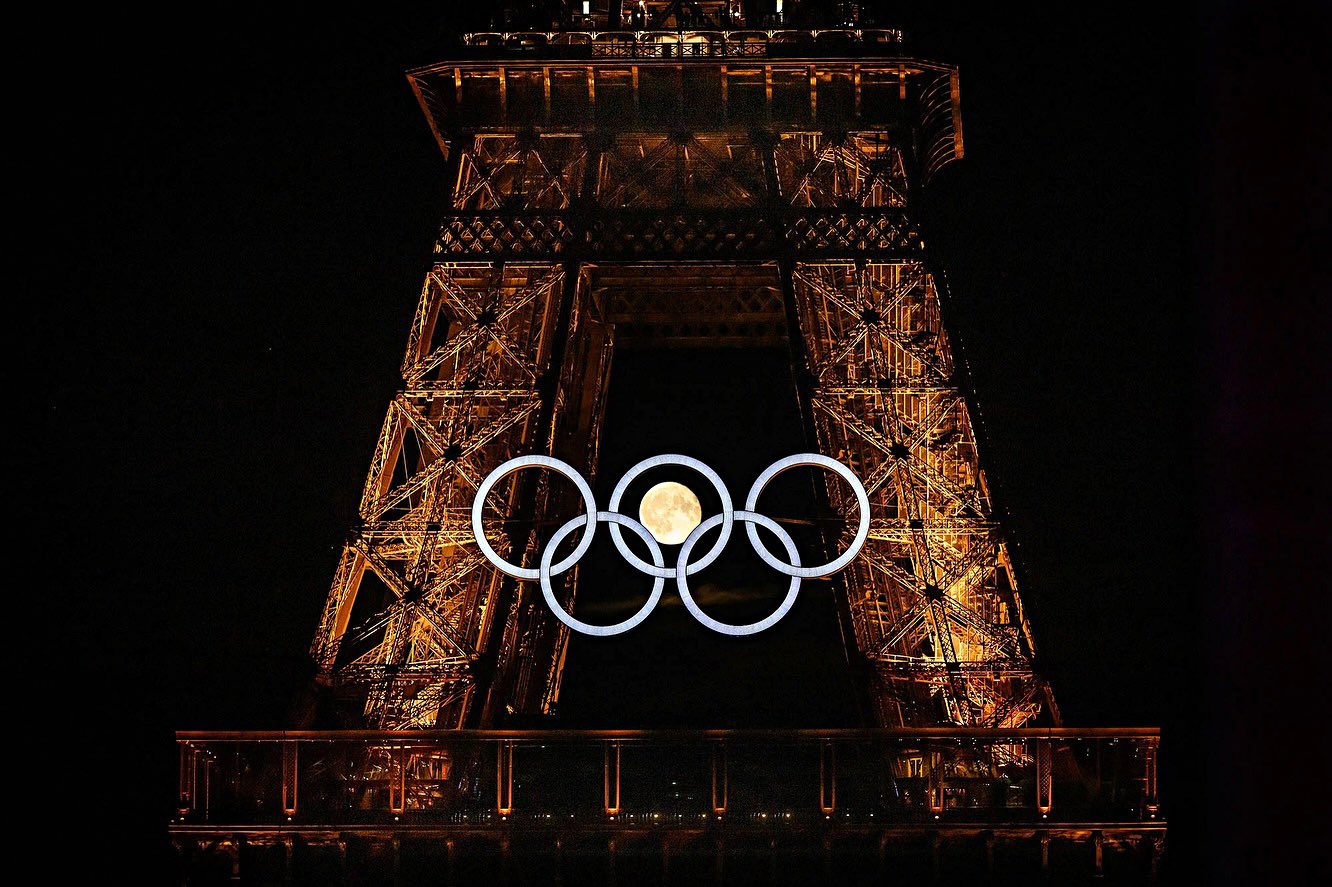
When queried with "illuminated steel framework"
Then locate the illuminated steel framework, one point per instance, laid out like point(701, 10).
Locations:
point(734, 188)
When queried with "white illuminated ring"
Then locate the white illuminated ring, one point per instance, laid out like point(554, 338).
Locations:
point(683, 566)
point(546, 571)
point(686, 462)
point(862, 501)
point(507, 468)
point(772, 618)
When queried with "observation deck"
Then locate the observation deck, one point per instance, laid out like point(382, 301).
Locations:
point(534, 806)
point(732, 96)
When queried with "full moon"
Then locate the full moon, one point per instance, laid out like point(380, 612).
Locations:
point(670, 511)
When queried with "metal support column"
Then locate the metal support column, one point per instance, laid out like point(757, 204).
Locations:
point(611, 782)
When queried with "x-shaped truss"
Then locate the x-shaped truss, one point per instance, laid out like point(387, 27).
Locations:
point(932, 597)
point(407, 614)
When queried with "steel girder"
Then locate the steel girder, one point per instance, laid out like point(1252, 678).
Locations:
point(509, 353)
point(410, 611)
point(934, 602)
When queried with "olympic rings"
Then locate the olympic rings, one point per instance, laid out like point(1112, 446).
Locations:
point(684, 567)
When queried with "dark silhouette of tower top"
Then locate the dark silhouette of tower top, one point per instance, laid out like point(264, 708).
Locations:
point(649, 15)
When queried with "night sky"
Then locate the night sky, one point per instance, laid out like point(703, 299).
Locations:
point(250, 208)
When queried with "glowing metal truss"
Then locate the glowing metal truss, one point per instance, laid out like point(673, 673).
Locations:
point(413, 606)
point(787, 219)
point(933, 597)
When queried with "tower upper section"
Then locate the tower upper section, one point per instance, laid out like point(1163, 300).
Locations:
point(735, 78)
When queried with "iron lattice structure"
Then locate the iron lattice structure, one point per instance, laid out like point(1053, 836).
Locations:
point(614, 188)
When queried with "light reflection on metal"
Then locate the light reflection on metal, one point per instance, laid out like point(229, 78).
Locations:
point(290, 768)
point(611, 782)
point(827, 777)
point(720, 778)
point(504, 778)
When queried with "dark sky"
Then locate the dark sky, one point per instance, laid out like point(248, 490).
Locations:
point(250, 206)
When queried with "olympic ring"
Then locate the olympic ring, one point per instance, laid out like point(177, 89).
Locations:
point(724, 627)
point(562, 614)
point(510, 467)
point(862, 503)
point(684, 567)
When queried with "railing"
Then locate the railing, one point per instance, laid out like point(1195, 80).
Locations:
point(689, 43)
point(666, 779)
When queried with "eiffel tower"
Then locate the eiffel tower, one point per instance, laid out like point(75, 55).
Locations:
point(692, 181)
